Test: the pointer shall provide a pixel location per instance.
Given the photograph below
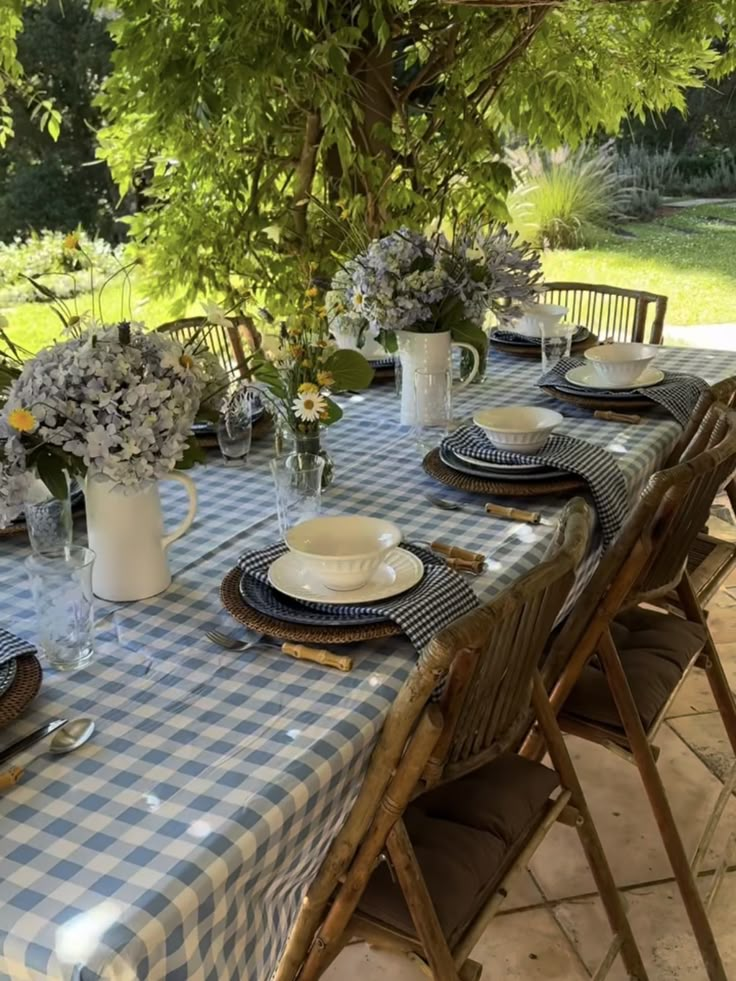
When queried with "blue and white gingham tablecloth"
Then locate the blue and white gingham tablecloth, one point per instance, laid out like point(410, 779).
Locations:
point(179, 841)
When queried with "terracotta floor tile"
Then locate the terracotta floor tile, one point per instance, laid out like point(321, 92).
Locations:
point(706, 736)
point(661, 928)
point(625, 823)
point(527, 946)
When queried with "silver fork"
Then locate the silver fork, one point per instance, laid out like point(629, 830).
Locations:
point(231, 643)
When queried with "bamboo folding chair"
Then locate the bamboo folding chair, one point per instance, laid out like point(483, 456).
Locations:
point(225, 342)
point(447, 830)
point(611, 312)
point(625, 664)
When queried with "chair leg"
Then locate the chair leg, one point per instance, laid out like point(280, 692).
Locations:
point(471, 971)
point(414, 889)
point(610, 896)
point(661, 808)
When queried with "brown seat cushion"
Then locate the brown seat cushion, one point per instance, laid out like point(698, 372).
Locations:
point(466, 835)
point(654, 648)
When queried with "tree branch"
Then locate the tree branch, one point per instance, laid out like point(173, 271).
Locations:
point(305, 170)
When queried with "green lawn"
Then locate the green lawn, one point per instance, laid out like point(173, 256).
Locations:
point(685, 256)
point(35, 325)
point(688, 258)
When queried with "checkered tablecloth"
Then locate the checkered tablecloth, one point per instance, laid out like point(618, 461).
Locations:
point(179, 841)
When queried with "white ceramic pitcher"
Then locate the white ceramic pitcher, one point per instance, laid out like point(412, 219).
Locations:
point(426, 353)
point(125, 529)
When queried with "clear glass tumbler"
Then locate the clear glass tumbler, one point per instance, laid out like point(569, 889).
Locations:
point(556, 347)
point(61, 584)
point(49, 524)
point(234, 432)
point(298, 480)
point(433, 401)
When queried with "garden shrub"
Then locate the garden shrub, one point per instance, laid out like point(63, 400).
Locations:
point(565, 199)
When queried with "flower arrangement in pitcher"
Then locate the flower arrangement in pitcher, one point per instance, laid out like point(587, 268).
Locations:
point(304, 371)
point(426, 284)
point(113, 402)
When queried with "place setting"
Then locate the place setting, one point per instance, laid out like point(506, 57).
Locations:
point(534, 325)
point(345, 578)
point(622, 377)
point(513, 451)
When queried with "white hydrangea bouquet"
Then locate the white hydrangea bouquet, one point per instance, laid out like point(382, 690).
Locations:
point(113, 402)
point(426, 284)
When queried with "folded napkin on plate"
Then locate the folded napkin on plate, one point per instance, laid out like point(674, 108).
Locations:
point(12, 646)
point(512, 337)
point(594, 464)
point(679, 394)
point(441, 596)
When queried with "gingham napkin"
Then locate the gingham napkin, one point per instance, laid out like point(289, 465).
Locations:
point(595, 465)
point(511, 337)
point(678, 394)
point(441, 596)
point(12, 646)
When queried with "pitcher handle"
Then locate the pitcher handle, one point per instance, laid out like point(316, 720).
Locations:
point(186, 523)
point(460, 385)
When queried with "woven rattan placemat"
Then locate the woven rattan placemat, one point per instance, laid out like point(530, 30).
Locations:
point(434, 466)
point(237, 607)
point(23, 690)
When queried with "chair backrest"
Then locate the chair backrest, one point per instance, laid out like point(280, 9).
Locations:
point(679, 500)
point(224, 342)
point(487, 698)
point(648, 557)
point(611, 312)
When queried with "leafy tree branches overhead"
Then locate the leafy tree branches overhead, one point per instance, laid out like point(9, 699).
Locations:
point(272, 128)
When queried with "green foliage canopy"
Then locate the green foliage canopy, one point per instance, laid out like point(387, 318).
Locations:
point(284, 127)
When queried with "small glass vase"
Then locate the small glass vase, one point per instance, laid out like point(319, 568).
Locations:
point(312, 443)
point(467, 363)
point(49, 519)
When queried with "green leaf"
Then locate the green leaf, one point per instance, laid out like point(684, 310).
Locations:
point(468, 333)
point(266, 371)
point(387, 340)
point(350, 370)
point(334, 412)
point(335, 59)
point(194, 453)
point(50, 468)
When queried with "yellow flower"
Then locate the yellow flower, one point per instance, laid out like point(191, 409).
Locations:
point(308, 388)
point(321, 311)
point(186, 361)
point(296, 351)
point(71, 242)
point(325, 379)
point(22, 420)
point(358, 299)
point(312, 291)
point(344, 214)
point(306, 364)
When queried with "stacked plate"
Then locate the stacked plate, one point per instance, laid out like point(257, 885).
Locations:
point(585, 378)
point(509, 338)
point(293, 596)
point(510, 472)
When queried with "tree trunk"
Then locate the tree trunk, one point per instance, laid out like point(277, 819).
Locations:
point(304, 174)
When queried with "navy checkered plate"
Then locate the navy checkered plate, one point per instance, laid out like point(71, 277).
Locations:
point(7, 674)
point(267, 600)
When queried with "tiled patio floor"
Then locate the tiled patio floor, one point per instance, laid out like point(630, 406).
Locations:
point(553, 928)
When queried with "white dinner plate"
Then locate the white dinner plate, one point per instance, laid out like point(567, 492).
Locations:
point(399, 572)
point(586, 377)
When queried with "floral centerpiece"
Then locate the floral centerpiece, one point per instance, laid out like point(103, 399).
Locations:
point(299, 378)
point(114, 402)
point(408, 281)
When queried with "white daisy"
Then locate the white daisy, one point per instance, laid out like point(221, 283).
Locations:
point(215, 314)
point(309, 406)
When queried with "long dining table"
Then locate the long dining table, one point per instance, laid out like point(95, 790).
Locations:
point(179, 841)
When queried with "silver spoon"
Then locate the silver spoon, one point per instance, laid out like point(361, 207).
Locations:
point(71, 736)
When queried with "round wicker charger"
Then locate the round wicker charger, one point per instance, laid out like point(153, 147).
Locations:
point(23, 690)
point(434, 466)
point(529, 351)
point(599, 401)
point(303, 633)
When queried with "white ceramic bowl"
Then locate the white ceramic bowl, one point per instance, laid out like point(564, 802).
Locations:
point(548, 315)
point(519, 428)
point(343, 551)
point(620, 364)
